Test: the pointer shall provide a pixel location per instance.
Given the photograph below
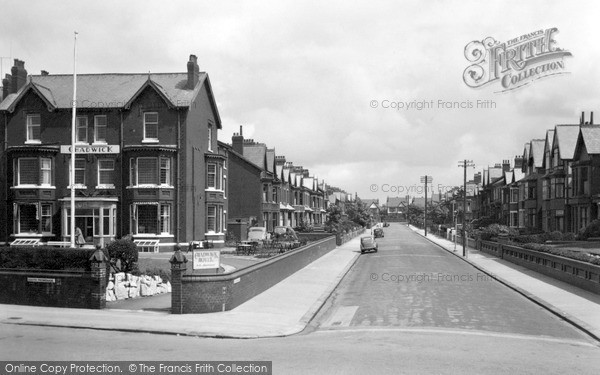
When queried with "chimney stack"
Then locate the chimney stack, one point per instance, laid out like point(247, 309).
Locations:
point(477, 178)
point(518, 162)
point(19, 76)
point(237, 142)
point(505, 165)
point(193, 72)
point(591, 118)
point(6, 82)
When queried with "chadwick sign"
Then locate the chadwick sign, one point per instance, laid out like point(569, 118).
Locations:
point(516, 62)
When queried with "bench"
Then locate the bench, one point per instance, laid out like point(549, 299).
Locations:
point(26, 242)
point(147, 246)
point(59, 243)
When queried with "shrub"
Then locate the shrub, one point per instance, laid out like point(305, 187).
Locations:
point(592, 230)
point(123, 251)
point(494, 230)
point(46, 257)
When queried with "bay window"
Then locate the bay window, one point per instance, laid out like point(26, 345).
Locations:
point(33, 172)
point(150, 171)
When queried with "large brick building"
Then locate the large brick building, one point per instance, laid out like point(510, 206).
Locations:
point(148, 162)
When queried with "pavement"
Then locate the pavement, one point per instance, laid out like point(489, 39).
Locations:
point(575, 305)
point(284, 309)
point(288, 307)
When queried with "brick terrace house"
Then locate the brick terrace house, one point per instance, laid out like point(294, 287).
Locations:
point(585, 197)
point(268, 191)
point(147, 162)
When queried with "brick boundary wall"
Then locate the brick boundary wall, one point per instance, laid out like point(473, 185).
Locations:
point(581, 274)
point(78, 289)
point(193, 294)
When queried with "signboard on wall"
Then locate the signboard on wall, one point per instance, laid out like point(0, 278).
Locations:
point(92, 149)
point(206, 259)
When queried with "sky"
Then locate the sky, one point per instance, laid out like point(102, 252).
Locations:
point(322, 82)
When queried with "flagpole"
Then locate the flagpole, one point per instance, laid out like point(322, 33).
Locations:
point(74, 117)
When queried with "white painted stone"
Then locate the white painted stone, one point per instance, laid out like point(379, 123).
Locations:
point(121, 291)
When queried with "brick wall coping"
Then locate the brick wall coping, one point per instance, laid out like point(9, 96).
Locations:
point(246, 270)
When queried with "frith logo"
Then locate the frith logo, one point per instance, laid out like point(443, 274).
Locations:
point(514, 63)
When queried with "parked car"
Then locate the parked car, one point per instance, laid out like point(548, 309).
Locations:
point(285, 233)
point(378, 232)
point(367, 243)
point(258, 234)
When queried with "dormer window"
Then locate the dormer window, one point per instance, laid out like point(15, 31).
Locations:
point(33, 128)
point(150, 127)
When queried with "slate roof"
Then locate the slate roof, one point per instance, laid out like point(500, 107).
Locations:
point(566, 138)
point(395, 201)
point(591, 138)
point(537, 152)
point(548, 142)
point(518, 175)
point(271, 160)
point(256, 154)
point(106, 90)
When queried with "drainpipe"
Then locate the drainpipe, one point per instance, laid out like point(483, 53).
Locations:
point(177, 178)
point(123, 188)
point(3, 160)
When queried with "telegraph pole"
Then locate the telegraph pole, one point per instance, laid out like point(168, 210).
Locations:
point(426, 179)
point(464, 164)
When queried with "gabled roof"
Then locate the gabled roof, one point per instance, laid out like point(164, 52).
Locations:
point(537, 152)
point(112, 90)
point(548, 142)
point(591, 138)
point(370, 203)
point(565, 138)
point(494, 173)
point(518, 175)
point(257, 154)
point(395, 201)
point(420, 201)
point(271, 160)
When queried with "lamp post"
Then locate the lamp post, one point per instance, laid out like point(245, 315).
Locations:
point(464, 164)
point(425, 179)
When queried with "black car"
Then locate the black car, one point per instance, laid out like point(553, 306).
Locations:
point(378, 232)
point(368, 243)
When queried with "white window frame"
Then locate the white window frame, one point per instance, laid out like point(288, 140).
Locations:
point(42, 216)
point(79, 130)
point(137, 171)
point(18, 217)
point(18, 174)
point(78, 185)
point(111, 170)
point(212, 217)
point(29, 138)
point(97, 126)
point(214, 174)
point(147, 139)
point(167, 170)
point(45, 172)
point(164, 218)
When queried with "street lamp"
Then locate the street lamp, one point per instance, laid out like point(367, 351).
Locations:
point(464, 164)
point(426, 179)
